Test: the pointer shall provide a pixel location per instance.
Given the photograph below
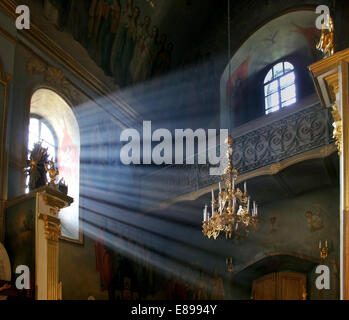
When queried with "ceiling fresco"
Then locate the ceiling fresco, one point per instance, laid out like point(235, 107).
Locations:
point(130, 40)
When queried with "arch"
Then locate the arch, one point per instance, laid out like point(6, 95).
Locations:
point(57, 112)
point(269, 263)
point(273, 254)
point(291, 36)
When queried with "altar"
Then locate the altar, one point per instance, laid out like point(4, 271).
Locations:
point(32, 235)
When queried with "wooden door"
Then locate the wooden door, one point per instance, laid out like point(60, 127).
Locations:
point(280, 286)
point(264, 288)
point(291, 286)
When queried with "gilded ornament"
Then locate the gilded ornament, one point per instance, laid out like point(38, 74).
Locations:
point(52, 230)
point(57, 78)
point(35, 66)
point(337, 128)
point(52, 172)
point(327, 40)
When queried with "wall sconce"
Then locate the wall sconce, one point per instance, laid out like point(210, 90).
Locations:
point(323, 250)
point(229, 265)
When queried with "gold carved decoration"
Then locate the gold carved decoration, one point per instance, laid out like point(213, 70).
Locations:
point(52, 228)
point(333, 86)
point(54, 77)
point(57, 78)
point(327, 41)
point(53, 172)
point(337, 128)
point(53, 202)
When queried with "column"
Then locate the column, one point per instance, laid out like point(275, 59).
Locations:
point(331, 79)
point(48, 230)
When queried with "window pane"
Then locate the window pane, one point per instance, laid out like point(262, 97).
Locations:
point(34, 127)
point(278, 70)
point(31, 140)
point(287, 80)
point(288, 93)
point(273, 109)
point(46, 134)
point(271, 88)
point(33, 136)
point(288, 67)
point(289, 102)
point(269, 76)
point(48, 140)
point(272, 100)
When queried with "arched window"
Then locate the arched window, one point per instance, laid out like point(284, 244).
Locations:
point(280, 87)
point(41, 130)
point(53, 122)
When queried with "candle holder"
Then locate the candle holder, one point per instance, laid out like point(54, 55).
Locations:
point(229, 265)
point(324, 253)
point(323, 250)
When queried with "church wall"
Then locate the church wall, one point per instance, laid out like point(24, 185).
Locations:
point(78, 271)
point(300, 223)
point(78, 262)
point(173, 249)
point(16, 53)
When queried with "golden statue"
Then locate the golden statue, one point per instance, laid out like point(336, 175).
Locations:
point(327, 41)
point(36, 166)
point(52, 172)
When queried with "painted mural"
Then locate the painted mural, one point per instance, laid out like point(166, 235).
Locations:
point(126, 278)
point(311, 35)
point(117, 34)
point(20, 235)
point(237, 87)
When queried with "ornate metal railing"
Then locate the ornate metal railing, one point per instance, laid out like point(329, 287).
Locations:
point(305, 129)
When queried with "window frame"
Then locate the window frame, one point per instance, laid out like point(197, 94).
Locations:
point(267, 109)
point(49, 126)
point(41, 120)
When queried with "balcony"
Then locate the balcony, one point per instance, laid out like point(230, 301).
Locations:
point(264, 146)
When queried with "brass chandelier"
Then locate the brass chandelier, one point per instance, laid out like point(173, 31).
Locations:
point(232, 212)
